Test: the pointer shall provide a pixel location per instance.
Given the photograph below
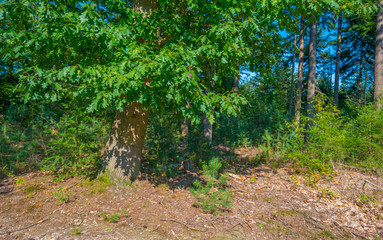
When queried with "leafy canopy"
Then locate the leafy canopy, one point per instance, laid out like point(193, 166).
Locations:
point(110, 55)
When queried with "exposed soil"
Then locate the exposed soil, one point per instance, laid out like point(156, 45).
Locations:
point(267, 205)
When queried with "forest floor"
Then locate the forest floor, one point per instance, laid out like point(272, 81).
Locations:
point(268, 204)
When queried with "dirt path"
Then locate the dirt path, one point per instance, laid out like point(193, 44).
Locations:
point(267, 205)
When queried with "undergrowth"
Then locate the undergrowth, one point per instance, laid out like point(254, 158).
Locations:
point(332, 139)
point(46, 137)
point(212, 195)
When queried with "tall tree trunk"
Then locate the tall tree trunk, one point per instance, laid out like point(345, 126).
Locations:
point(378, 81)
point(337, 61)
point(123, 151)
point(359, 81)
point(298, 103)
point(312, 76)
point(292, 80)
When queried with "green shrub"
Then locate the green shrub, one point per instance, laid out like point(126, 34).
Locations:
point(74, 147)
point(212, 195)
point(364, 138)
point(324, 142)
point(62, 195)
point(22, 138)
point(333, 138)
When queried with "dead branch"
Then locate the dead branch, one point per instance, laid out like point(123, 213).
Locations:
point(373, 184)
point(4, 210)
point(234, 226)
point(183, 224)
point(23, 228)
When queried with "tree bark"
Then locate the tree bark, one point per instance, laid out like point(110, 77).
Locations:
point(291, 105)
point(378, 81)
point(337, 61)
point(185, 128)
point(312, 76)
point(123, 151)
point(359, 81)
point(207, 129)
point(207, 126)
point(298, 103)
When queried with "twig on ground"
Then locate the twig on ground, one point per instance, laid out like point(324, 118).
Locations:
point(234, 176)
point(357, 234)
point(4, 210)
point(56, 210)
point(183, 224)
point(373, 184)
point(248, 225)
point(5, 191)
point(173, 233)
point(234, 226)
point(342, 228)
point(214, 226)
point(82, 220)
point(23, 228)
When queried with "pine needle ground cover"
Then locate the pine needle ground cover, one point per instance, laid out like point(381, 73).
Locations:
point(267, 203)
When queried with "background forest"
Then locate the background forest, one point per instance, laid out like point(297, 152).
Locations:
point(294, 78)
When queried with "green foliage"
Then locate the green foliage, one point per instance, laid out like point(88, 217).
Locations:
point(76, 231)
point(19, 182)
point(58, 59)
point(114, 217)
point(22, 137)
point(212, 195)
point(63, 195)
point(43, 136)
point(325, 139)
point(367, 199)
point(332, 138)
point(327, 193)
point(74, 147)
point(162, 144)
point(104, 178)
point(364, 144)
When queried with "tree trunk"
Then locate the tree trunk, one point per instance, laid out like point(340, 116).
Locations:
point(337, 61)
point(292, 80)
point(123, 151)
point(185, 128)
point(207, 129)
point(298, 103)
point(378, 81)
point(187, 163)
point(312, 76)
point(359, 83)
